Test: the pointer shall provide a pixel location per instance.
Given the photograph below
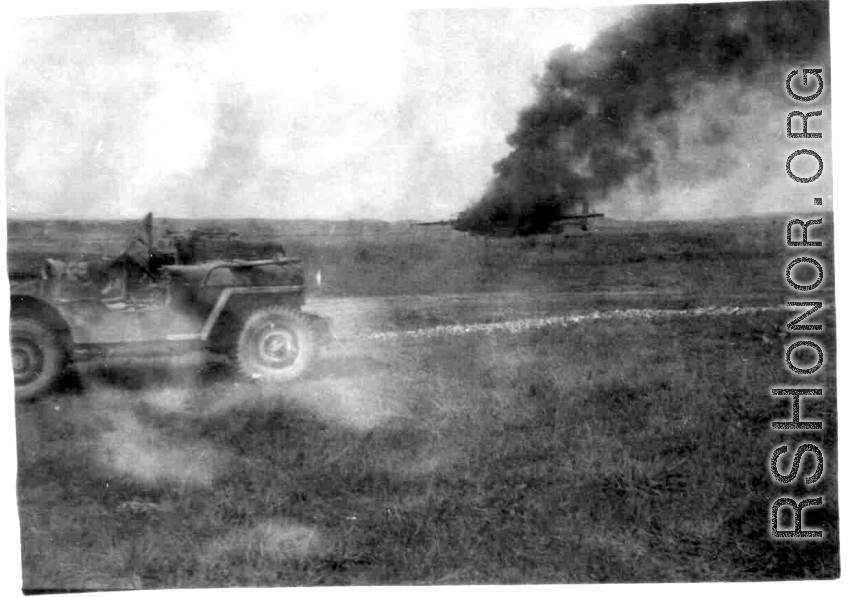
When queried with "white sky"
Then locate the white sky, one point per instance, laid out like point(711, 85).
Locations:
point(366, 114)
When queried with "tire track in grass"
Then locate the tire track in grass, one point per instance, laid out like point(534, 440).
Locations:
point(561, 321)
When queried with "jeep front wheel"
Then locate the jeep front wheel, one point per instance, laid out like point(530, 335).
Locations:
point(37, 357)
point(275, 344)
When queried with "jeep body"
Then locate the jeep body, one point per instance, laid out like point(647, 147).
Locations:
point(146, 302)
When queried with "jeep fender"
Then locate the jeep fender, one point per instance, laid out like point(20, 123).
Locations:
point(33, 307)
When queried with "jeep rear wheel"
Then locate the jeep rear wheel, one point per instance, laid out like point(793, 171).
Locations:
point(37, 358)
point(275, 344)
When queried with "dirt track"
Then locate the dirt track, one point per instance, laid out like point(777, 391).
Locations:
point(378, 316)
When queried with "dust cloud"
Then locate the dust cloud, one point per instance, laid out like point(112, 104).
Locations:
point(278, 539)
point(137, 440)
point(139, 406)
point(145, 454)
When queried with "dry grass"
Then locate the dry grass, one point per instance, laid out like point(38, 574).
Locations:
point(591, 454)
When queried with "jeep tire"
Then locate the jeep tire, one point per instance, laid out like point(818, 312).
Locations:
point(275, 344)
point(38, 358)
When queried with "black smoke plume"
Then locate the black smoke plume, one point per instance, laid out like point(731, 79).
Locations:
point(601, 114)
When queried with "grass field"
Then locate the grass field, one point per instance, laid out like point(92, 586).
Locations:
point(607, 451)
point(718, 260)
